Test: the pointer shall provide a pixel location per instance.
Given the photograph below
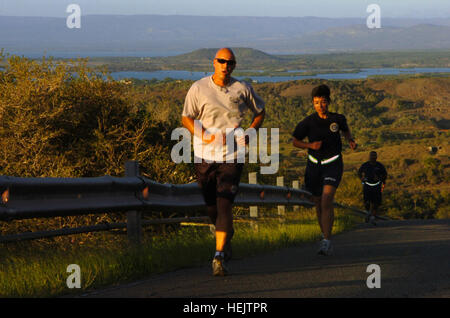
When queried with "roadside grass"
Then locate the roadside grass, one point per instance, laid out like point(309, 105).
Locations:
point(30, 270)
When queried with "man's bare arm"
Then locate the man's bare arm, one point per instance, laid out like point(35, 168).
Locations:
point(258, 120)
point(189, 124)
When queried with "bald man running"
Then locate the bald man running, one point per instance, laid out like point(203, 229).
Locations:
point(219, 102)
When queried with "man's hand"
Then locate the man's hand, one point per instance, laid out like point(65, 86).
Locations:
point(353, 144)
point(210, 138)
point(315, 145)
point(382, 186)
point(243, 140)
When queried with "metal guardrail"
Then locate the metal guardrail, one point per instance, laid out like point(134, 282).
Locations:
point(50, 197)
point(24, 198)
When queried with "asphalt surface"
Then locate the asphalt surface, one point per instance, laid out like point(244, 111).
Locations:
point(414, 259)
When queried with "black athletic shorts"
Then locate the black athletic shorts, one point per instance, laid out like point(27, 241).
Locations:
point(317, 175)
point(218, 180)
point(372, 194)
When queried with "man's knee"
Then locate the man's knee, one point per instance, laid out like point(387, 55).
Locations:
point(227, 195)
point(227, 191)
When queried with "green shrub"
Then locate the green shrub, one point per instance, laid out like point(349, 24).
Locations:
point(65, 119)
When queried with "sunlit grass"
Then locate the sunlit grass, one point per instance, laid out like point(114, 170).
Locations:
point(29, 272)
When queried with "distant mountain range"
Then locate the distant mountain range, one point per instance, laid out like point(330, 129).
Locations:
point(152, 35)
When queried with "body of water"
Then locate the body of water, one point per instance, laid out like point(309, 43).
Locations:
point(364, 73)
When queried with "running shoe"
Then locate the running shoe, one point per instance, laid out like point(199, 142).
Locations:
point(325, 248)
point(372, 220)
point(218, 266)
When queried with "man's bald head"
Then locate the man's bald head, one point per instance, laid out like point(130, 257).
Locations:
point(224, 63)
point(226, 54)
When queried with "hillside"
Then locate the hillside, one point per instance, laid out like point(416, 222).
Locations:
point(202, 59)
point(421, 97)
point(244, 55)
point(427, 97)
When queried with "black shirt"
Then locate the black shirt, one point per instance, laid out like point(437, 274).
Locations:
point(325, 130)
point(373, 173)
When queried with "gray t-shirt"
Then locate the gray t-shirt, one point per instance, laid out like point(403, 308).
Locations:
point(220, 108)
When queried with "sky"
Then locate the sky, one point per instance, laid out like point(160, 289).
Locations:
point(278, 8)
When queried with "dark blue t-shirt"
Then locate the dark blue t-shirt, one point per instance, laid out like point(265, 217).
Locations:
point(325, 130)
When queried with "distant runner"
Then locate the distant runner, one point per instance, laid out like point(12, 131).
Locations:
point(325, 166)
point(373, 176)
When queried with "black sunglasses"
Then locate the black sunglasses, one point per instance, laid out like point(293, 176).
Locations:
point(229, 62)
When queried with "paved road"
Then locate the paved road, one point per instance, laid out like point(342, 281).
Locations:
point(414, 257)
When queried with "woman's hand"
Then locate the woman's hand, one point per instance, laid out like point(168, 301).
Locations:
point(315, 145)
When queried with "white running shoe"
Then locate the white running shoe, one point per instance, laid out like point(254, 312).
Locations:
point(218, 266)
point(325, 248)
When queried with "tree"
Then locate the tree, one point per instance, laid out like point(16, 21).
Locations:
point(68, 120)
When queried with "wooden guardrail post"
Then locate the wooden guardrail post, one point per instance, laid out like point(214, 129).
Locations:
point(252, 180)
point(134, 218)
point(281, 208)
point(296, 185)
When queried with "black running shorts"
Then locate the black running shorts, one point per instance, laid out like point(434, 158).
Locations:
point(372, 194)
point(317, 175)
point(218, 180)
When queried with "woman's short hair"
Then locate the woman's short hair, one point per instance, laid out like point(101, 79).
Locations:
point(321, 91)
